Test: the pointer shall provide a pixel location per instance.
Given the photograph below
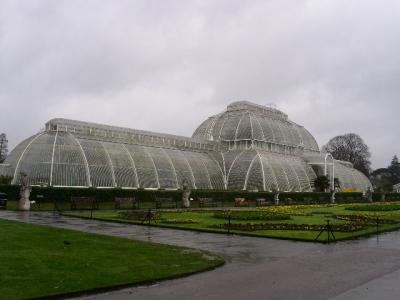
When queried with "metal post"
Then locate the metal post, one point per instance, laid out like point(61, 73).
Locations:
point(328, 230)
point(229, 222)
point(54, 206)
point(333, 174)
point(149, 216)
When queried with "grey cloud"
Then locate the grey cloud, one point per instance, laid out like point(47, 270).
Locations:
point(333, 66)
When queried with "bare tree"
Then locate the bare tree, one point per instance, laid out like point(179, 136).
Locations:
point(350, 147)
point(3, 147)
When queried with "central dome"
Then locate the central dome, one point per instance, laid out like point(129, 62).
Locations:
point(246, 121)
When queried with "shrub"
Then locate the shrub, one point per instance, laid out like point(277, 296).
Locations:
point(321, 183)
point(5, 179)
point(12, 191)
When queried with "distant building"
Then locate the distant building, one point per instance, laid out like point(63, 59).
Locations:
point(396, 188)
point(246, 147)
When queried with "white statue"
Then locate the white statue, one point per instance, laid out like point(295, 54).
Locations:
point(333, 196)
point(185, 194)
point(368, 195)
point(276, 197)
point(24, 193)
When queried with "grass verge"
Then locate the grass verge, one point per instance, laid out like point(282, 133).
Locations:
point(38, 261)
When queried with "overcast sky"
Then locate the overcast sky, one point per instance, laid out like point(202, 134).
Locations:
point(165, 66)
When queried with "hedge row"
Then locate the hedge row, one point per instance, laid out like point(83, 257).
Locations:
point(64, 194)
point(103, 195)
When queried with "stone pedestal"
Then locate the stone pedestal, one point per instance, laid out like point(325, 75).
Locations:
point(185, 199)
point(368, 195)
point(370, 198)
point(333, 198)
point(24, 202)
point(185, 194)
point(276, 199)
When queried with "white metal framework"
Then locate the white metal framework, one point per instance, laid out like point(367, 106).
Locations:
point(247, 147)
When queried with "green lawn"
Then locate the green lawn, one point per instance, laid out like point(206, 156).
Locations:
point(301, 214)
point(38, 261)
point(48, 205)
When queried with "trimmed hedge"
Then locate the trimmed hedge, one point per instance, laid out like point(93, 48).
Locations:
point(12, 191)
point(63, 194)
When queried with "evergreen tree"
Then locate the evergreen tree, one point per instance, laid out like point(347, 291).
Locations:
point(3, 147)
point(384, 178)
point(394, 169)
point(321, 184)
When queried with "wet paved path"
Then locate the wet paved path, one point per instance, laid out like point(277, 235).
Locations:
point(258, 268)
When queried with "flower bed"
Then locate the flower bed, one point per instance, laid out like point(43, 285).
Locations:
point(375, 207)
point(322, 213)
point(365, 219)
point(286, 226)
point(293, 210)
point(251, 215)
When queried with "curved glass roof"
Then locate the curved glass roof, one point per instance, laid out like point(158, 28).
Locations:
point(266, 171)
point(61, 159)
point(349, 178)
point(252, 122)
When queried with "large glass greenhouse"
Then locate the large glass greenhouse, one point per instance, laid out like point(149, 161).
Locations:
point(247, 147)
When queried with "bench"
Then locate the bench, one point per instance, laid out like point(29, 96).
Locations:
point(39, 200)
point(84, 203)
point(166, 203)
point(207, 202)
point(126, 203)
point(308, 200)
point(261, 202)
point(242, 202)
point(3, 200)
point(289, 200)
